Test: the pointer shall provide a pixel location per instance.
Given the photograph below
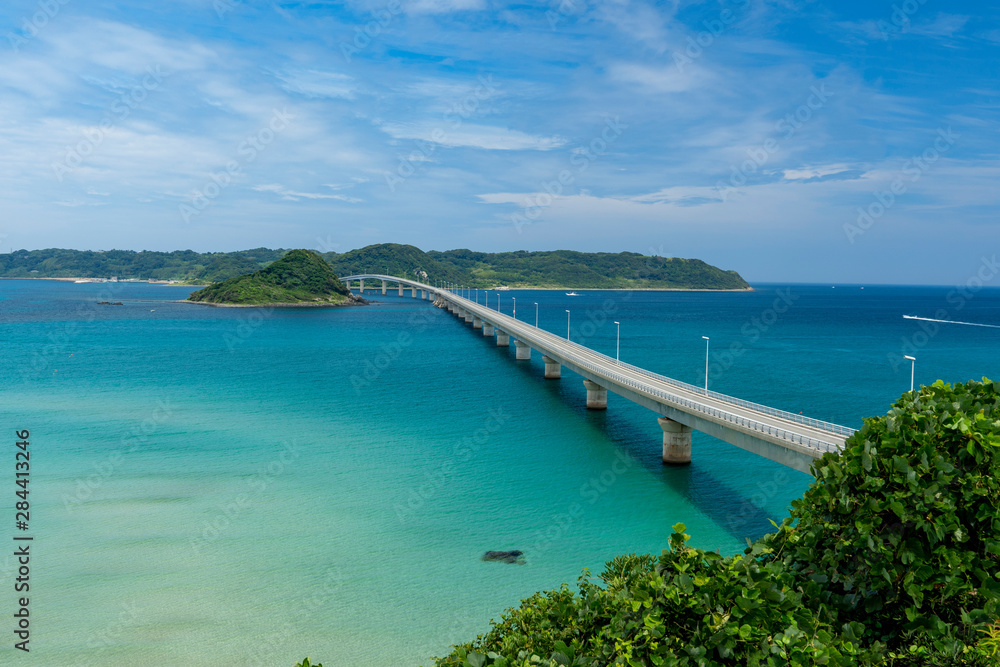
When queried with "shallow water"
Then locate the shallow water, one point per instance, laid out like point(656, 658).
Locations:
point(217, 484)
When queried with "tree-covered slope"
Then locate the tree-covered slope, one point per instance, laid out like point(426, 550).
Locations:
point(567, 268)
point(183, 265)
point(558, 268)
point(300, 277)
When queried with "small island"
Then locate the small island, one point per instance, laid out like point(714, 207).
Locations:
point(299, 279)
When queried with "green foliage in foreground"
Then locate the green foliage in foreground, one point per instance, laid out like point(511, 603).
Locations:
point(892, 557)
point(300, 277)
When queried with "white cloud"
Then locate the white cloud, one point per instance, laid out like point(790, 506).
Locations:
point(814, 172)
point(317, 83)
point(293, 195)
point(663, 78)
point(943, 25)
point(442, 6)
point(487, 137)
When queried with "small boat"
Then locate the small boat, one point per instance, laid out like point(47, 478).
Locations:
point(572, 294)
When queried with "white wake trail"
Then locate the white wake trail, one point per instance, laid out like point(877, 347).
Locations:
point(970, 324)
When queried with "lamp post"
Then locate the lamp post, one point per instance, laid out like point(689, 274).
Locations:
point(514, 299)
point(913, 363)
point(618, 341)
point(487, 299)
point(706, 364)
point(536, 314)
point(498, 302)
point(477, 296)
point(567, 325)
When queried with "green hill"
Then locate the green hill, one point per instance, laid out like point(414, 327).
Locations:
point(554, 269)
point(300, 278)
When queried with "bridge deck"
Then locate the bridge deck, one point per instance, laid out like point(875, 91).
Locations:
point(718, 414)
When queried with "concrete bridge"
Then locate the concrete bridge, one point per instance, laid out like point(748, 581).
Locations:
point(784, 437)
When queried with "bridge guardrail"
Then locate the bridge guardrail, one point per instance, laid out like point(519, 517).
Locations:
point(746, 422)
point(818, 424)
point(755, 425)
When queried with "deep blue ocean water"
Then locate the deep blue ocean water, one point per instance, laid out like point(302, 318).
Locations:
point(238, 486)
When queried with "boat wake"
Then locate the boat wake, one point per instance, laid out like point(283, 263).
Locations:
point(970, 324)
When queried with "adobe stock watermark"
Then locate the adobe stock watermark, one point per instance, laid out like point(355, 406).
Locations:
point(247, 151)
point(246, 327)
point(223, 7)
point(243, 503)
point(714, 28)
point(899, 21)
point(319, 594)
point(461, 452)
point(581, 158)
point(131, 616)
point(366, 34)
point(119, 110)
point(956, 300)
point(590, 492)
point(788, 126)
point(738, 520)
point(57, 343)
point(374, 367)
point(85, 487)
point(911, 172)
point(564, 9)
point(751, 331)
point(34, 24)
point(460, 111)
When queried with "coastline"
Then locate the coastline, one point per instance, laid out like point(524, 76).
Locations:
point(342, 304)
point(627, 289)
point(177, 283)
point(93, 281)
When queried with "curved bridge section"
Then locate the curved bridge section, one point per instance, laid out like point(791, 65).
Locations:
point(784, 437)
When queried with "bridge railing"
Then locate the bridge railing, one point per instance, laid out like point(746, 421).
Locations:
point(745, 422)
point(818, 424)
point(751, 424)
point(845, 431)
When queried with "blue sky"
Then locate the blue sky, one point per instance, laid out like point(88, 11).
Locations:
point(790, 141)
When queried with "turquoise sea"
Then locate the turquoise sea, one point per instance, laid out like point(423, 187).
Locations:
point(234, 486)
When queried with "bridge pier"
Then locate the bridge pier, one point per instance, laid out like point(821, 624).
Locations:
point(468, 317)
point(523, 352)
point(423, 294)
point(597, 396)
point(503, 339)
point(400, 289)
point(553, 371)
point(384, 286)
point(477, 323)
point(413, 292)
point(676, 442)
point(361, 288)
point(487, 329)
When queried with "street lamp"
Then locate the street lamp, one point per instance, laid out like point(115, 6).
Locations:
point(536, 314)
point(913, 363)
point(567, 325)
point(706, 364)
point(514, 299)
point(487, 299)
point(477, 296)
point(618, 341)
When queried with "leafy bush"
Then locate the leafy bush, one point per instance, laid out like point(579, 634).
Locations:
point(890, 558)
point(902, 529)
